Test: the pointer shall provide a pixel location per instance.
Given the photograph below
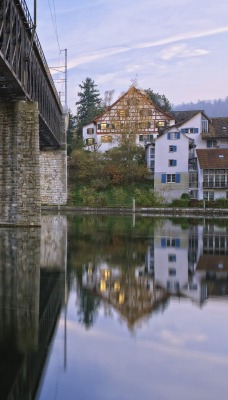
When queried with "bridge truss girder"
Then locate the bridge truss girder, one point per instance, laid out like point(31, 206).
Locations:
point(24, 73)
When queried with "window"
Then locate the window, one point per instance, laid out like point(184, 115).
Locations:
point(101, 126)
point(211, 143)
point(204, 124)
point(146, 138)
point(90, 141)
point(172, 149)
point(189, 130)
point(106, 139)
point(90, 131)
point(173, 135)
point(172, 272)
point(170, 178)
point(160, 123)
point(170, 242)
point(122, 113)
point(208, 195)
point(172, 163)
point(172, 257)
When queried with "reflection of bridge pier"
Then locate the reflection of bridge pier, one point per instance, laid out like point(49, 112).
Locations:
point(32, 295)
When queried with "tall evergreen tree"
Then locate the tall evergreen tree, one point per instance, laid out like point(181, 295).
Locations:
point(89, 103)
point(159, 99)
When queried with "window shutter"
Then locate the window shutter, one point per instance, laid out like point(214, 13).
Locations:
point(177, 178)
point(183, 130)
point(178, 135)
point(163, 178)
point(208, 143)
point(196, 130)
point(168, 136)
point(174, 148)
point(177, 242)
point(163, 242)
point(174, 163)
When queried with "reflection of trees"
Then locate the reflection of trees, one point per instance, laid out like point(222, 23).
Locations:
point(108, 238)
point(88, 304)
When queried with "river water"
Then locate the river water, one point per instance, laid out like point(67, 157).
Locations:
point(114, 308)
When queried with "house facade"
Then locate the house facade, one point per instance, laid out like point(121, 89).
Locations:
point(132, 117)
point(180, 156)
point(171, 176)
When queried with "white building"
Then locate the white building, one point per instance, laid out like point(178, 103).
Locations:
point(178, 157)
point(132, 117)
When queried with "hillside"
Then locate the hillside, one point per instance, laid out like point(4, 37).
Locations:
point(213, 108)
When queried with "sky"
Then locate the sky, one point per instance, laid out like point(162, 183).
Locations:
point(175, 47)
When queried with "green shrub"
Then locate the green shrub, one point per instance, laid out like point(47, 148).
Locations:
point(185, 196)
point(179, 203)
point(149, 198)
point(119, 196)
point(88, 196)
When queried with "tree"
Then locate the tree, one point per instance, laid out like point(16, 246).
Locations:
point(159, 99)
point(108, 96)
point(70, 133)
point(88, 105)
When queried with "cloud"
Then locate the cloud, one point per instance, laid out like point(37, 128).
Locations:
point(170, 53)
point(181, 51)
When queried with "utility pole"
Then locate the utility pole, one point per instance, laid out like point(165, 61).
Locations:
point(65, 50)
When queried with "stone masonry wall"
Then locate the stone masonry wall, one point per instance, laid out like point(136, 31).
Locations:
point(19, 163)
point(53, 177)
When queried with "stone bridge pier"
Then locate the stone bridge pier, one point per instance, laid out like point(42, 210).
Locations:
point(28, 177)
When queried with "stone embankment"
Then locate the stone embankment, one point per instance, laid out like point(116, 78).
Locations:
point(167, 211)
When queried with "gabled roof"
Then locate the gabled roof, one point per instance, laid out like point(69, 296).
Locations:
point(218, 128)
point(133, 90)
point(213, 158)
point(181, 117)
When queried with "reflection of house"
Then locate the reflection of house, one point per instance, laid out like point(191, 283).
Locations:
point(212, 266)
point(132, 114)
point(171, 257)
point(131, 292)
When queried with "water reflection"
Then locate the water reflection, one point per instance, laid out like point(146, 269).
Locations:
point(31, 294)
point(104, 265)
point(180, 259)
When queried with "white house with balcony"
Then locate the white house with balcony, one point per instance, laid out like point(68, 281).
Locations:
point(179, 164)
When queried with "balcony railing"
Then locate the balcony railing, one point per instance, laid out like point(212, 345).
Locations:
point(215, 185)
point(193, 185)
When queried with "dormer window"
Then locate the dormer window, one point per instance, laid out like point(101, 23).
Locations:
point(204, 123)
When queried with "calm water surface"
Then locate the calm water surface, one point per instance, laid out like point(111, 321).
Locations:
point(114, 308)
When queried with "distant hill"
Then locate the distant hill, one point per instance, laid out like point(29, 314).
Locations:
point(213, 108)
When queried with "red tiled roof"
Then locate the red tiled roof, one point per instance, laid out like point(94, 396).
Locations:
point(213, 158)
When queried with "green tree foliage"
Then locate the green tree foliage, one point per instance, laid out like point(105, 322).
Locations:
point(71, 132)
point(159, 99)
point(88, 105)
point(100, 171)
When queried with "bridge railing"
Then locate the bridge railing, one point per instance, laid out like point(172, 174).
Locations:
point(39, 48)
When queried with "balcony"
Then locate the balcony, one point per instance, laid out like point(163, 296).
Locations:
point(215, 185)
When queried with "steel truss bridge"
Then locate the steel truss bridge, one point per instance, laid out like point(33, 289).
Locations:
point(24, 73)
